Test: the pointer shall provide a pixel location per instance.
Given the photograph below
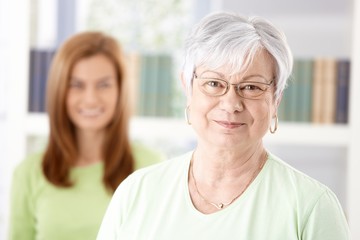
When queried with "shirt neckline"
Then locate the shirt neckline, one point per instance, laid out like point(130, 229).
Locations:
point(230, 208)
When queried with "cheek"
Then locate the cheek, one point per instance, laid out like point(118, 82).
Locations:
point(200, 105)
point(70, 108)
point(263, 110)
point(111, 100)
point(270, 109)
point(70, 101)
point(272, 106)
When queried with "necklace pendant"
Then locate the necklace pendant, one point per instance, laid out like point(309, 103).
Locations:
point(220, 206)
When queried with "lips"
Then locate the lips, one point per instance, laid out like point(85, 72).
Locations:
point(230, 125)
point(91, 112)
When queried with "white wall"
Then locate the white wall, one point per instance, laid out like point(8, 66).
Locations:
point(13, 79)
point(313, 28)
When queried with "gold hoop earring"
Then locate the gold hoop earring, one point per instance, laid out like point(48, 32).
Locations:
point(187, 115)
point(273, 130)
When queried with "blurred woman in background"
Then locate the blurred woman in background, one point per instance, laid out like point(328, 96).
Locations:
point(63, 192)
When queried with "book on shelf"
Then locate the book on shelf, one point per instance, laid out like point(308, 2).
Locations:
point(155, 88)
point(148, 85)
point(329, 91)
point(324, 91)
point(291, 107)
point(39, 65)
point(133, 64)
point(296, 102)
point(152, 81)
point(164, 86)
point(141, 88)
point(35, 79)
point(304, 96)
point(342, 94)
point(317, 93)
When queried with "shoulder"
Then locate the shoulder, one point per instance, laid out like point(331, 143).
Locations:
point(294, 178)
point(164, 168)
point(145, 156)
point(144, 189)
point(296, 184)
point(163, 173)
point(315, 204)
point(30, 164)
point(28, 173)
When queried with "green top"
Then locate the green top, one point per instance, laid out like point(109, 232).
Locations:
point(42, 211)
point(280, 204)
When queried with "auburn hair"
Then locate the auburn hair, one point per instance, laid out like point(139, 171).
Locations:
point(61, 152)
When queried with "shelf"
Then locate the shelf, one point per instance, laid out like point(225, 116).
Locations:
point(168, 128)
point(38, 124)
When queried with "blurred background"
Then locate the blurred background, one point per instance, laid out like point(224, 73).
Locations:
point(318, 121)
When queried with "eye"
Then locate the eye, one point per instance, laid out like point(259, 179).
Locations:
point(251, 87)
point(214, 83)
point(75, 84)
point(213, 86)
point(104, 84)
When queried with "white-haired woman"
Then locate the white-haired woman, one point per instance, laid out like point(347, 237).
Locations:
point(230, 186)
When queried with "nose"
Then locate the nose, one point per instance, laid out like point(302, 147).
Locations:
point(90, 95)
point(231, 102)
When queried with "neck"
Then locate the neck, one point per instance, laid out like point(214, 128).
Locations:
point(213, 185)
point(225, 164)
point(90, 147)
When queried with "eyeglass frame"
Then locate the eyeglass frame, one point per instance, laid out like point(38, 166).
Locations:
point(236, 86)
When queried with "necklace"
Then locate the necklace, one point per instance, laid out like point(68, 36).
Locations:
point(221, 205)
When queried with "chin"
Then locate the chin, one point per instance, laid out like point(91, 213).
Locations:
point(226, 142)
point(91, 126)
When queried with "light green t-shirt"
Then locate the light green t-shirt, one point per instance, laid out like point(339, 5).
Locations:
point(42, 211)
point(280, 204)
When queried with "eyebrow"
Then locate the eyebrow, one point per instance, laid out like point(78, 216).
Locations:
point(101, 79)
point(255, 75)
point(221, 75)
point(211, 71)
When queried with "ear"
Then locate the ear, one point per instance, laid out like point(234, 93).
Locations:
point(183, 82)
point(277, 103)
point(279, 100)
point(185, 88)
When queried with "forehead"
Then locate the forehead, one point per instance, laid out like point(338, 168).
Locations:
point(261, 64)
point(93, 67)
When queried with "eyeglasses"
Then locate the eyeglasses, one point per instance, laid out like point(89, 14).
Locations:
point(252, 88)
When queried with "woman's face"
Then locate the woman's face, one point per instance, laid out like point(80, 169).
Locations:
point(92, 93)
point(230, 120)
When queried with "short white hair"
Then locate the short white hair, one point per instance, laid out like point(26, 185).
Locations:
point(227, 39)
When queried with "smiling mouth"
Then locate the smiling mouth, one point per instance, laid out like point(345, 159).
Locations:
point(229, 125)
point(90, 112)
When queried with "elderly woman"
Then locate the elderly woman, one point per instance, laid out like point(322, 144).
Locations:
point(230, 186)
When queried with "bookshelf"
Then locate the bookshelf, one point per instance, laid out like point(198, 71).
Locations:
point(304, 136)
point(148, 127)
